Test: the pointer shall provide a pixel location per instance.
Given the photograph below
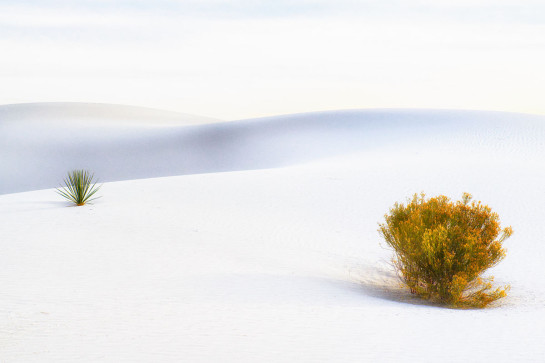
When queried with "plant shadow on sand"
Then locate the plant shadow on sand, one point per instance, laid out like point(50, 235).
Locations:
point(29, 206)
point(310, 290)
point(382, 283)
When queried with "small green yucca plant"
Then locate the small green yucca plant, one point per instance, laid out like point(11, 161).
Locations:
point(79, 187)
point(442, 248)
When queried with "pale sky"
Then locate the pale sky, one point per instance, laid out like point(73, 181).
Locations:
point(243, 58)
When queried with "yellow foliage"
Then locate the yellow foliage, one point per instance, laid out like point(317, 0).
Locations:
point(442, 248)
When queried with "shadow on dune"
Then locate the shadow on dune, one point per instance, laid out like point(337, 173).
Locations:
point(22, 206)
point(384, 284)
point(307, 290)
point(38, 155)
point(270, 289)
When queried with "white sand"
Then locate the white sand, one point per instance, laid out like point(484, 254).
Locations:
point(39, 142)
point(277, 259)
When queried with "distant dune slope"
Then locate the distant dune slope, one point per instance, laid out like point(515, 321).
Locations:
point(94, 114)
point(39, 143)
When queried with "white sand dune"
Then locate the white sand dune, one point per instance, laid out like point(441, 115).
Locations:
point(264, 246)
point(39, 143)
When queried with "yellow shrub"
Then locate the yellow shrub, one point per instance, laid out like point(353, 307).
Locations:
point(442, 248)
